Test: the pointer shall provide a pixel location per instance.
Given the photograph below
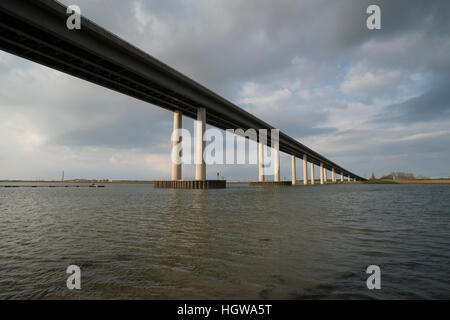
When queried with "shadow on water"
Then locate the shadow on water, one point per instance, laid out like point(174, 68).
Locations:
point(344, 286)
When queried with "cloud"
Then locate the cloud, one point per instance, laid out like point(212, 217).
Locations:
point(433, 105)
point(369, 83)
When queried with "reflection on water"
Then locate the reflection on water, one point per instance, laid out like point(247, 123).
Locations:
point(134, 241)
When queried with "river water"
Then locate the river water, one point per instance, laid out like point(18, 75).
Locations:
point(132, 241)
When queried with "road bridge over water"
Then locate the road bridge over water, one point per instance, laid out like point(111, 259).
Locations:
point(36, 30)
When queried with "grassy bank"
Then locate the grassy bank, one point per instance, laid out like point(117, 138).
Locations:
point(415, 181)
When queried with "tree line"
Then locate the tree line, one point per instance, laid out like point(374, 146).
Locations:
point(399, 176)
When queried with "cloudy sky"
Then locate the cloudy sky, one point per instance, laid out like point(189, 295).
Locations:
point(370, 100)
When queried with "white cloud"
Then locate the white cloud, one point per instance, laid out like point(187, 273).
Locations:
point(159, 162)
point(361, 82)
point(263, 102)
point(422, 136)
point(5, 58)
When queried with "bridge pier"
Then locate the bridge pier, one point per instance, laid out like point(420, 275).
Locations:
point(276, 169)
point(342, 177)
point(305, 169)
point(276, 165)
point(325, 178)
point(261, 162)
point(321, 173)
point(200, 166)
point(200, 181)
point(349, 179)
point(333, 175)
point(312, 173)
point(294, 173)
point(177, 125)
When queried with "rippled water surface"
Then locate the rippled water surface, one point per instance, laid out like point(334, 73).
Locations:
point(137, 242)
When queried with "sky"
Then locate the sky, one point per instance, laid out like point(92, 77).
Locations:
point(370, 100)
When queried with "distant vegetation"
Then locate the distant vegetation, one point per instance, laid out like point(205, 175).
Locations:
point(406, 178)
point(399, 176)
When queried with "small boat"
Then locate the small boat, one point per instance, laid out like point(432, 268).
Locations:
point(94, 185)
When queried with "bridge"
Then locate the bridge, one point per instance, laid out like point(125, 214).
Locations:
point(36, 30)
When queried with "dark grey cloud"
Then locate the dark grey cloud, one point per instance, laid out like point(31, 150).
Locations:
point(220, 43)
point(304, 125)
point(432, 105)
point(133, 130)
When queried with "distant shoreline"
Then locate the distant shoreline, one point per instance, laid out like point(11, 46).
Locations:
point(299, 182)
point(79, 181)
point(415, 181)
point(377, 181)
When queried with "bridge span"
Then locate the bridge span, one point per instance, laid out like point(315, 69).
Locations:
point(36, 30)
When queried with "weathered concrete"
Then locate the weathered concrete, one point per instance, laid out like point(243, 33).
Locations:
point(305, 169)
point(294, 173)
point(176, 167)
point(321, 173)
point(191, 184)
point(325, 176)
point(333, 175)
point(312, 173)
point(200, 166)
point(276, 165)
point(261, 161)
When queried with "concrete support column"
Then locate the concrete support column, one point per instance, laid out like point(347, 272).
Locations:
point(294, 172)
point(321, 173)
point(261, 162)
point(305, 169)
point(177, 124)
point(342, 177)
point(349, 179)
point(312, 173)
point(200, 166)
point(325, 178)
point(333, 175)
point(276, 165)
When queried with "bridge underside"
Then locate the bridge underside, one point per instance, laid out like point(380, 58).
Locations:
point(36, 30)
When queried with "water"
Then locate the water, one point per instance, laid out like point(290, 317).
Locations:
point(137, 242)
